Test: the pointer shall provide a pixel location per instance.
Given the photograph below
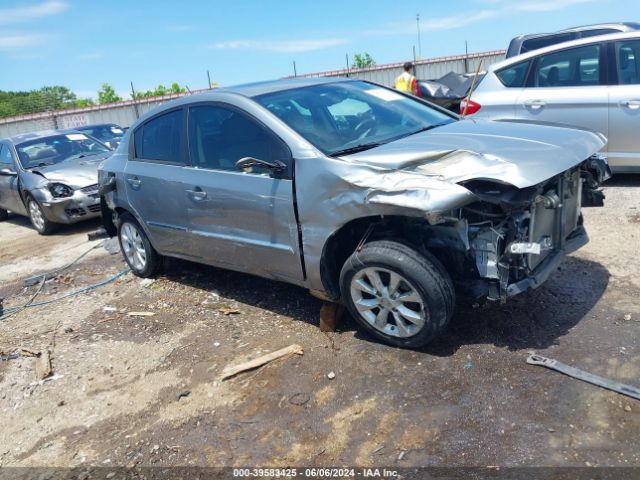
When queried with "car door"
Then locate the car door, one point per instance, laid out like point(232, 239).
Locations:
point(153, 181)
point(624, 107)
point(240, 219)
point(9, 191)
point(568, 87)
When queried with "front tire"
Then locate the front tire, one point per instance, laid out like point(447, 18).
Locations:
point(402, 297)
point(136, 249)
point(42, 225)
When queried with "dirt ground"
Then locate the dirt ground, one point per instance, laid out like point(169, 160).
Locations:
point(146, 391)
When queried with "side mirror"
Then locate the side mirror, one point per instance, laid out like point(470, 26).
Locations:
point(7, 172)
point(247, 162)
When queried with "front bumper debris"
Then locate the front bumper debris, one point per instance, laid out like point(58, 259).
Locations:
point(82, 205)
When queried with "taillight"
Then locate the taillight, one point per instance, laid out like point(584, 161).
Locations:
point(471, 107)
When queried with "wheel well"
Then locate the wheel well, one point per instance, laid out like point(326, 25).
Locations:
point(343, 242)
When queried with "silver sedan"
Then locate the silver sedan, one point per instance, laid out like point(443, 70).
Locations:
point(51, 177)
point(359, 193)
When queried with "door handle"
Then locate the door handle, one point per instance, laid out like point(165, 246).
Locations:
point(632, 104)
point(135, 182)
point(535, 104)
point(197, 194)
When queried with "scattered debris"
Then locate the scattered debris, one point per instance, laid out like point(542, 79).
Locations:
point(402, 454)
point(43, 365)
point(627, 408)
point(182, 394)
point(68, 330)
point(331, 375)
point(97, 234)
point(233, 370)
point(299, 399)
point(229, 311)
point(468, 365)
point(147, 282)
point(112, 245)
point(141, 314)
point(109, 309)
point(628, 390)
point(26, 352)
point(627, 317)
point(216, 344)
point(330, 315)
point(5, 357)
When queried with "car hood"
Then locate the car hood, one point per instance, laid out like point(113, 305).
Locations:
point(77, 173)
point(519, 154)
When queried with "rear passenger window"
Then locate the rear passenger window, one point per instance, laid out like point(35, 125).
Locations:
point(545, 41)
point(628, 62)
point(515, 75)
point(575, 67)
point(160, 139)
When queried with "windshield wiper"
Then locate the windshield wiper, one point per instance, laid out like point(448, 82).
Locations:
point(423, 129)
point(355, 149)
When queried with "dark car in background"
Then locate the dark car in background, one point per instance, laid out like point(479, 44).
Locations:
point(108, 133)
point(527, 43)
point(51, 177)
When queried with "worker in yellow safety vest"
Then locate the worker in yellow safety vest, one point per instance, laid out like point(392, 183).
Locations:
point(406, 81)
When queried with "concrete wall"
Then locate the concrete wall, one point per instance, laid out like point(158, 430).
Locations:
point(125, 113)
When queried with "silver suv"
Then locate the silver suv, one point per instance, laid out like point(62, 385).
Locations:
point(357, 192)
point(590, 83)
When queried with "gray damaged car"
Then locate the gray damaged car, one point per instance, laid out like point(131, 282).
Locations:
point(361, 194)
point(51, 177)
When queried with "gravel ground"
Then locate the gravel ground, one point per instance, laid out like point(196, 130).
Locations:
point(146, 390)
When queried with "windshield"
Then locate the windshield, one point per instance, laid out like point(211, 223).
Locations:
point(344, 117)
point(104, 132)
point(58, 148)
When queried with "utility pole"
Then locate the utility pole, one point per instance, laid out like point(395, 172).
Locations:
point(295, 70)
point(414, 53)
point(347, 56)
point(419, 40)
point(209, 79)
point(135, 105)
point(466, 57)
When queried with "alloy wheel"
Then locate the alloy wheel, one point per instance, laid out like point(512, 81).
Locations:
point(133, 246)
point(388, 302)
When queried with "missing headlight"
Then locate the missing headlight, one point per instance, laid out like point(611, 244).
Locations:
point(60, 190)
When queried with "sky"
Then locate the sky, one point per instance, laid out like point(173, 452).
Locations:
point(81, 44)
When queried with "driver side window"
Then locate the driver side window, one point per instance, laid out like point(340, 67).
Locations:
point(6, 159)
point(220, 136)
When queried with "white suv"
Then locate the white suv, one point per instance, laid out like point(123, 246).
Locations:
point(592, 83)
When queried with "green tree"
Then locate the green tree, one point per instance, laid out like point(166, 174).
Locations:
point(107, 94)
point(362, 60)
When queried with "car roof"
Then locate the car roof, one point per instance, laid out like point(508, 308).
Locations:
point(27, 137)
point(94, 125)
point(564, 45)
point(270, 86)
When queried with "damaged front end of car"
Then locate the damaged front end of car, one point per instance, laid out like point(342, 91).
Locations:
point(511, 239)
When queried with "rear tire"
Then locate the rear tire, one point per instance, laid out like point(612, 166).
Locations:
point(3, 214)
point(42, 225)
point(402, 297)
point(136, 248)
